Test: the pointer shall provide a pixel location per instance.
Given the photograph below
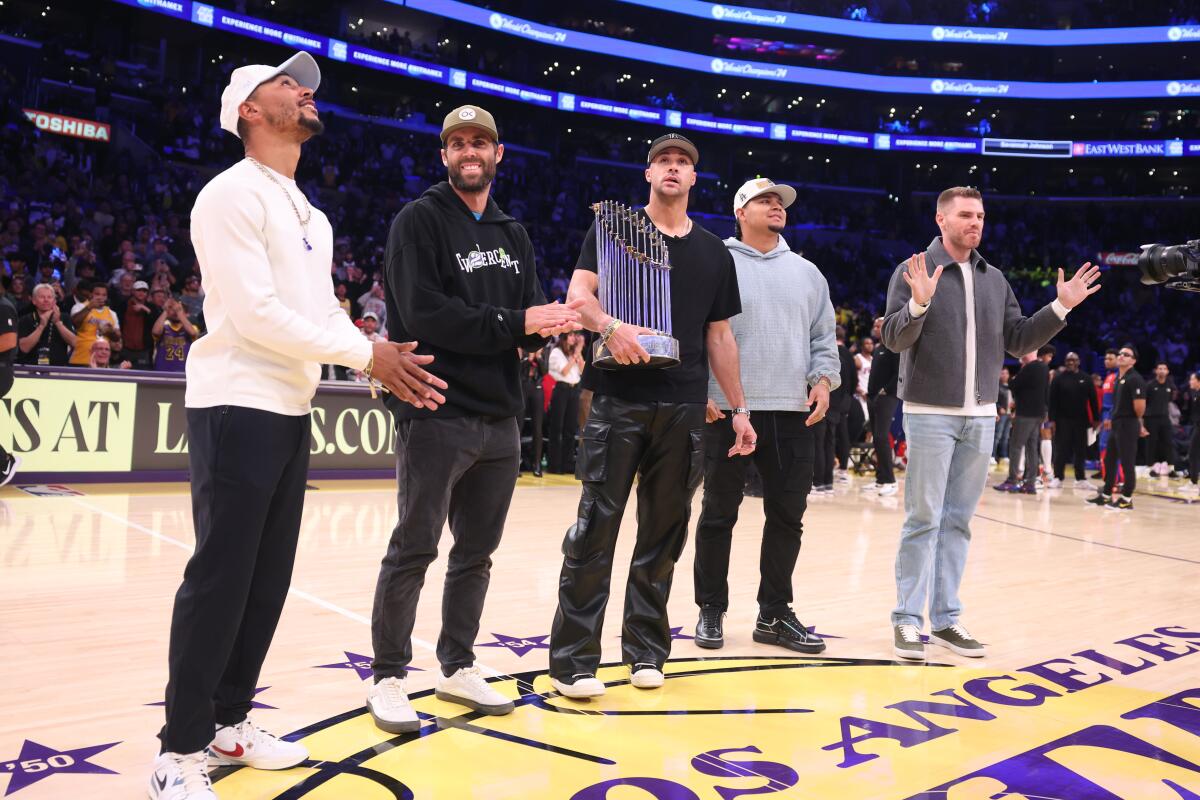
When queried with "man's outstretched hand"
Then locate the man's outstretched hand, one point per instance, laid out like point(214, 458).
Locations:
point(1073, 292)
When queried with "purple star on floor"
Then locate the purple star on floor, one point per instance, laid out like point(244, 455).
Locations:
point(253, 703)
point(519, 645)
point(359, 663)
point(677, 635)
point(813, 629)
point(38, 761)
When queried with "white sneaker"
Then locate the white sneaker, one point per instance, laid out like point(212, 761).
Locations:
point(388, 703)
point(584, 685)
point(871, 488)
point(1055, 483)
point(1086, 485)
point(181, 776)
point(248, 745)
point(467, 687)
point(645, 676)
point(841, 476)
point(888, 489)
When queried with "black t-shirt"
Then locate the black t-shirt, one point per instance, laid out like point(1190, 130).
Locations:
point(1131, 387)
point(1158, 397)
point(51, 339)
point(704, 289)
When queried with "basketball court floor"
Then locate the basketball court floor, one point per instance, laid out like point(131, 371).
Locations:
point(1091, 686)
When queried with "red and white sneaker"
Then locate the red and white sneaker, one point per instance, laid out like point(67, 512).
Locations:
point(248, 745)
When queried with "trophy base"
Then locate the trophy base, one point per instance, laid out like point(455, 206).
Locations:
point(663, 350)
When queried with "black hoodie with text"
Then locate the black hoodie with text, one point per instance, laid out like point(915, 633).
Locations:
point(460, 286)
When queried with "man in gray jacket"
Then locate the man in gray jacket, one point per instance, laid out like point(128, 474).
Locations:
point(789, 364)
point(951, 350)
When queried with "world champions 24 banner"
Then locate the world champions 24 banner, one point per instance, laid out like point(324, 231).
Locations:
point(125, 425)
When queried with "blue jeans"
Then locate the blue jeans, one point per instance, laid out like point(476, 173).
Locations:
point(947, 469)
point(1000, 441)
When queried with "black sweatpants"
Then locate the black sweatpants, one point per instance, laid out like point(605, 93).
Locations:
point(883, 410)
point(1161, 444)
point(1070, 445)
point(464, 468)
point(535, 409)
point(564, 418)
point(784, 457)
point(1194, 454)
point(1122, 446)
point(663, 444)
point(248, 470)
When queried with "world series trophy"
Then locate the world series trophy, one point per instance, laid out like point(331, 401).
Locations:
point(634, 273)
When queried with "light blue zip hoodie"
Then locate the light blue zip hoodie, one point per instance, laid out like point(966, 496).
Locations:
point(785, 333)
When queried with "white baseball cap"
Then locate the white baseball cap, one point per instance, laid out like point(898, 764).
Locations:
point(761, 186)
point(244, 80)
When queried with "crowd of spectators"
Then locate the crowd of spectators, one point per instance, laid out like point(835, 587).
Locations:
point(75, 215)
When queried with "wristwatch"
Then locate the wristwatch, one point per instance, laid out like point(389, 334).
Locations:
point(740, 410)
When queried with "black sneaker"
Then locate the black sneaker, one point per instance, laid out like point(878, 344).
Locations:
point(1101, 499)
point(787, 631)
point(709, 633)
point(958, 640)
point(8, 468)
point(1121, 503)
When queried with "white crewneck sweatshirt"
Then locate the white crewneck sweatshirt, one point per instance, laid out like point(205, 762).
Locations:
point(269, 306)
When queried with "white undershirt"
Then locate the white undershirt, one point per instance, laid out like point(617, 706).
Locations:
point(969, 408)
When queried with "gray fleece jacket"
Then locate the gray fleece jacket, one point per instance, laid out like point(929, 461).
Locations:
point(785, 331)
point(933, 346)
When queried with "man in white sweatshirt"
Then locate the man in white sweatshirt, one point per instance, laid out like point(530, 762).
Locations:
point(789, 365)
point(272, 321)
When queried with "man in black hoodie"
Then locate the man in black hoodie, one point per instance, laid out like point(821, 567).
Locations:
point(460, 279)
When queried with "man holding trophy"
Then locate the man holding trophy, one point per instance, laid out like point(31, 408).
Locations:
point(659, 291)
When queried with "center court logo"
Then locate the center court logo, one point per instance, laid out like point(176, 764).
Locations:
point(735, 726)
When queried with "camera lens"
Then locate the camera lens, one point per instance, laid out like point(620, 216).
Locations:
point(1159, 263)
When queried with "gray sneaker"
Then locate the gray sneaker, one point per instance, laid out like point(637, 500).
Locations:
point(958, 640)
point(908, 642)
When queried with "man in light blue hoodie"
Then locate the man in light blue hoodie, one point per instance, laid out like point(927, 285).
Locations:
point(789, 364)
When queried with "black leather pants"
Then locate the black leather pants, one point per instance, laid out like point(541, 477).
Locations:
point(662, 443)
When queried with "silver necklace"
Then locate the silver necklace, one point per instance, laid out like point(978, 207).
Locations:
point(307, 208)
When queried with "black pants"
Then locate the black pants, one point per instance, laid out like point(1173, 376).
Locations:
point(1194, 454)
point(1161, 445)
point(535, 410)
point(1122, 446)
point(883, 410)
point(564, 419)
point(1070, 445)
point(464, 468)
point(662, 443)
point(822, 452)
point(248, 469)
point(6, 382)
point(784, 457)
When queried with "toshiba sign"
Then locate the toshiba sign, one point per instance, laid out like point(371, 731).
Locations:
point(70, 126)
